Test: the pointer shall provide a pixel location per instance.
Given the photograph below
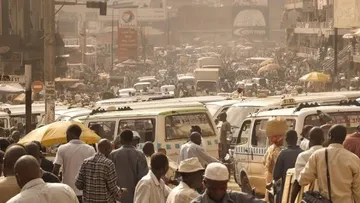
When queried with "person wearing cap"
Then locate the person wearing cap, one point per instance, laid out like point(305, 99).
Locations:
point(193, 149)
point(191, 172)
point(275, 131)
point(216, 180)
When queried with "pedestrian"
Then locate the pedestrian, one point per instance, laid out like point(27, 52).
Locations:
point(343, 167)
point(275, 130)
point(34, 150)
point(316, 137)
point(151, 188)
point(193, 149)
point(1, 162)
point(191, 172)
point(70, 156)
point(46, 164)
point(8, 185)
point(286, 160)
point(97, 177)
point(225, 132)
point(34, 189)
point(130, 165)
point(216, 180)
point(304, 141)
point(4, 143)
point(148, 150)
point(352, 142)
point(196, 128)
point(136, 139)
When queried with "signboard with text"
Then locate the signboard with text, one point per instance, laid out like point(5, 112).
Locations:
point(6, 79)
point(250, 22)
point(346, 13)
point(127, 34)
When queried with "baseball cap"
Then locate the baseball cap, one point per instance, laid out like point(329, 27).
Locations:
point(217, 172)
point(190, 165)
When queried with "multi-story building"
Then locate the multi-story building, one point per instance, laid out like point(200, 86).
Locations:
point(310, 31)
point(21, 37)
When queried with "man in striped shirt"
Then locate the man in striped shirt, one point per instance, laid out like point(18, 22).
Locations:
point(97, 177)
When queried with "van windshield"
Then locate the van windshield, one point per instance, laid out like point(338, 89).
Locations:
point(237, 114)
point(213, 108)
point(178, 126)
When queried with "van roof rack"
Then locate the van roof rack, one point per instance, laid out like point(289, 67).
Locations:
point(110, 109)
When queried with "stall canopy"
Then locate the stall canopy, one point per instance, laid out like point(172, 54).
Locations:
point(11, 88)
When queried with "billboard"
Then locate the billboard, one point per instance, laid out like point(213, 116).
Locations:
point(127, 34)
point(346, 13)
point(250, 21)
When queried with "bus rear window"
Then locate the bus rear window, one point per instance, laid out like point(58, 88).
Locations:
point(178, 126)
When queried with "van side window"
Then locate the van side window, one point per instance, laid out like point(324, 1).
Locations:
point(145, 127)
point(244, 132)
point(178, 126)
point(105, 129)
point(258, 137)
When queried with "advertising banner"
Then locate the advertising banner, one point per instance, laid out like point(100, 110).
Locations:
point(250, 21)
point(127, 34)
point(346, 13)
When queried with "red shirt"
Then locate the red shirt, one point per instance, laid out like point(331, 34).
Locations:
point(352, 143)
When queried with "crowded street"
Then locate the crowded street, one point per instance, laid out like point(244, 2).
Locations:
point(169, 101)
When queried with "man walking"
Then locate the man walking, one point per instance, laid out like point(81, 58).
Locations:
point(71, 156)
point(34, 189)
point(225, 131)
point(151, 188)
point(191, 173)
point(97, 177)
point(343, 166)
point(193, 149)
point(130, 165)
point(316, 141)
point(216, 180)
point(286, 160)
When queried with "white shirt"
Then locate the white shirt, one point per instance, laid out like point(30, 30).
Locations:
point(304, 144)
point(303, 158)
point(182, 194)
point(150, 190)
point(71, 156)
point(38, 191)
point(190, 149)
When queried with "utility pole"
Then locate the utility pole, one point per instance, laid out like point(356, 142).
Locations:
point(83, 43)
point(49, 59)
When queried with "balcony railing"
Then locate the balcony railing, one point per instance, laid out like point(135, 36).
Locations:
point(322, 25)
point(308, 50)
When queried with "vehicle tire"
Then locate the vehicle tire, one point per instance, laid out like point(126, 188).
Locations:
point(245, 184)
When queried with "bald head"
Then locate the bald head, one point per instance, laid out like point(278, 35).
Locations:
point(12, 154)
point(316, 136)
point(34, 150)
point(195, 137)
point(105, 147)
point(27, 168)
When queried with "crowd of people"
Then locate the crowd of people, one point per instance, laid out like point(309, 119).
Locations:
point(326, 158)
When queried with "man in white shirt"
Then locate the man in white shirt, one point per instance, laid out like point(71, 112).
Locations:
point(151, 188)
point(71, 156)
point(316, 141)
point(304, 141)
point(34, 189)
point(193, 149)
point(344, 169)
point(191, 172)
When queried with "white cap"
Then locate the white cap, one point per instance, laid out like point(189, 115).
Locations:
point(190, 165)
point(216, 171)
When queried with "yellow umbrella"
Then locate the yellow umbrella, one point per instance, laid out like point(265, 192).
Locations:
point(315, 77)
point(55, 133)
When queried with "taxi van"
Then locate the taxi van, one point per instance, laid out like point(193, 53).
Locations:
point(252, 141)
point(167, 128)
point(239, 111)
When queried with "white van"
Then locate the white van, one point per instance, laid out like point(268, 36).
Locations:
point(215, 108)
point(252, 141)
point(167, 128)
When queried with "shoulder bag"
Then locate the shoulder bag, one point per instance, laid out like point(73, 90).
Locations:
point(316, 196)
